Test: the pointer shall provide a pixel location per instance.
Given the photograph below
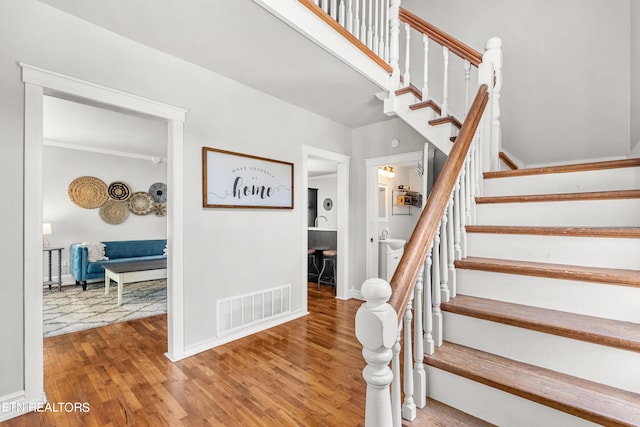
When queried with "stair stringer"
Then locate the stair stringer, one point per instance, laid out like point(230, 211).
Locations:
point(439, 136)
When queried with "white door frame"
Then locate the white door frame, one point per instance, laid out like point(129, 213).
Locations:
point(372, 164)
point(39, 82)
point(342, 204)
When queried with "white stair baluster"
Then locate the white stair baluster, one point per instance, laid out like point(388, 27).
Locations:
point(342, 19)
point(356, 20)
point(383, 27)
point(470, 183)
point(419, 374)
point(349, 16)
point(387, 27)
point(370, 26)
point(450, 248)
point(429, 346)
point(445, 82)
point(363, 23)
point(317, 2)
point(467, 81)
point(376, 26)
point(457, 251)
point(437, 313)
point(396, 396)
point(377, 331)
point(463, 209)
point(407, 55)
point(334, 9)
point(425, 85)
point(444, 254)
point(408, 406)
point(325, 6)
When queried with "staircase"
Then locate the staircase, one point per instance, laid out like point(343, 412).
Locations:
point(517, 301)
point(545, 327)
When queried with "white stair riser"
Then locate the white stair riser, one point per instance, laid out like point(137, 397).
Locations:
point(586, 251)
point(606, 365)
point(583, 213)
point(592, 299)
point(572, 182)
point(493, 405)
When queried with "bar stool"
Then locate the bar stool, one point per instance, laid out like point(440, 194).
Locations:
point(332, 257)
point(311, 256)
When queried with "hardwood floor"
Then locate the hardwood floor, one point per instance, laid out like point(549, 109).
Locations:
point(304, 373)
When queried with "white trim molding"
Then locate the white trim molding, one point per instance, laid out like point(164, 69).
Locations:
point(39, 82)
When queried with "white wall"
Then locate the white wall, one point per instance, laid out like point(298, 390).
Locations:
point(566, 71)
point(369, 142)
point(327, 188)
point(227, 251)
point(71, 223)
point(635, 75)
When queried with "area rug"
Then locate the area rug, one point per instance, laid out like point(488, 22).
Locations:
point(73, 309)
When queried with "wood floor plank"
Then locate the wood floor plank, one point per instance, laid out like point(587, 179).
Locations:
point(585, 399)
point(307, 372)
point(613, 333)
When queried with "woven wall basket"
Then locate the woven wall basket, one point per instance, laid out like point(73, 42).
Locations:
point(88, 192)
point(114, 212)
point(118, 190)
point(141, 203)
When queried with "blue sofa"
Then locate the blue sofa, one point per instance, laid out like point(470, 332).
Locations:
point(125, 250)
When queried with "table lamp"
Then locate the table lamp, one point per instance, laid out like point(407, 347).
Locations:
point(46, 230)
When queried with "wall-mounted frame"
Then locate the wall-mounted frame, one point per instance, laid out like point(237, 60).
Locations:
point(236, 180)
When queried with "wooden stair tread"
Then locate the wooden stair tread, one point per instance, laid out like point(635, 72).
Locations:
point(608, 332)
point(410, 89)
point(439, 414)
point(447, 119)
point(619, 232)
point(561, 197)
point(585, 399)
point(613, 276)
point(426, 104)
point(612, 164)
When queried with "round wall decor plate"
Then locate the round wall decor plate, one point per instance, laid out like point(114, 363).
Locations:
point(118, 190)
point(88, 192)
point(141, 203)
point(114, 212)
point(160, 209)
point(159, 192)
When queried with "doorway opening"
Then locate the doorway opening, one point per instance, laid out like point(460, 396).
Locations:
point(328, 173)
point(394, 203)
point(38, 84)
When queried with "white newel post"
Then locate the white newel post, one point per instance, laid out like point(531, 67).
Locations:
point(377, 329)
point(490, 73)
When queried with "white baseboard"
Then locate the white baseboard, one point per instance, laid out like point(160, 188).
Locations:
point(209, 344)
point(16, 404)
point(355, 294)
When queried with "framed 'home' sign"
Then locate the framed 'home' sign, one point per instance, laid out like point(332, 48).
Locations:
point(235, 180)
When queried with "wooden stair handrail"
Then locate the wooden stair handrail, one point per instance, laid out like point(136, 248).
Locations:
point(461, 49)
point(406, 274)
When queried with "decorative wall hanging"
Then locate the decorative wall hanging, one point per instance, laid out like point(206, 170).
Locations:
point(159, 192)
point(88, 192)
point(118, 190)
point(328, 204)
point(114, 212)
point(160, 209)
point(235, 180)
point(141, 203)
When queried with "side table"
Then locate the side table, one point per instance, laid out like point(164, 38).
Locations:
point(50, 281)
